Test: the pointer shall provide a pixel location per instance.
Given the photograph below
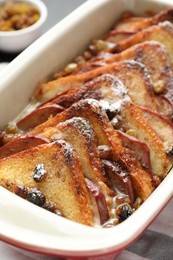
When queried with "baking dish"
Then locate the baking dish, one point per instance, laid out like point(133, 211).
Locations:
point(25, 225)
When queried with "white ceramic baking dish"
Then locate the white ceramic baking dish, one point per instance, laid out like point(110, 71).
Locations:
point(26, 225)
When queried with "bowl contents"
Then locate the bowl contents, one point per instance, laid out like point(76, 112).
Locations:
point(99, 139)
point(17, 15)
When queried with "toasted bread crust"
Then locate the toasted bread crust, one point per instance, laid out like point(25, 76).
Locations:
point(159, 123)
point(62, 168)
point(21, 143)
point(152, 54)
point(161, 33)
point(38, 116)
point(80, 134)
point(132, 74)
point(130, 24)
point(105, 135)
point(132, 118)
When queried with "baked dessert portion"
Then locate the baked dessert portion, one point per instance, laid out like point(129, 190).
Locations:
point(99, 151)
point(129, 24)
point(123, 114)
point(100, 139)
point(150, 53)
point(50, 176)
point(132, 74)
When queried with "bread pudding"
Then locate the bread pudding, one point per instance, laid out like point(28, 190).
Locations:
point(100, 137)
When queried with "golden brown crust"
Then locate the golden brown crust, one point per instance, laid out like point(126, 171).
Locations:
point(152, 54)
point(21, 143)
point(159, 123)
point(105, 135)
point(129, 25)
point(132, 74)
point(132, 118)
point(64, 185)
point(162, 33)
point(79, 133)
point(38, 116)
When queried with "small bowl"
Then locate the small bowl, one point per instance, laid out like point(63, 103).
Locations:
point(17, 41)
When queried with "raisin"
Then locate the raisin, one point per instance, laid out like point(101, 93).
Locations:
point(21, 191)
point(37, 197)
point(39, 173)
point(125, 212)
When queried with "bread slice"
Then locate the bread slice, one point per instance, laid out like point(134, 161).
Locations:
point(127, 26)
point(163, 33)
point(155, 58)
point(132, 74)
point(21, 143)
point(63, 185)
point(108, 87)
point(106, 135)
point(152, 54)
point(132, 119)
point(139, 92)
point(141, 150)
point(38, 116)
point(130, 24)
point(80, 134)
point(88, 90)
point(162, 126)
point(92, 167)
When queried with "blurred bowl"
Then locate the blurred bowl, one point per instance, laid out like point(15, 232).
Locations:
point(18, 40)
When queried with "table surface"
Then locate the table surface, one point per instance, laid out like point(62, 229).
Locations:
point(157, 241)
